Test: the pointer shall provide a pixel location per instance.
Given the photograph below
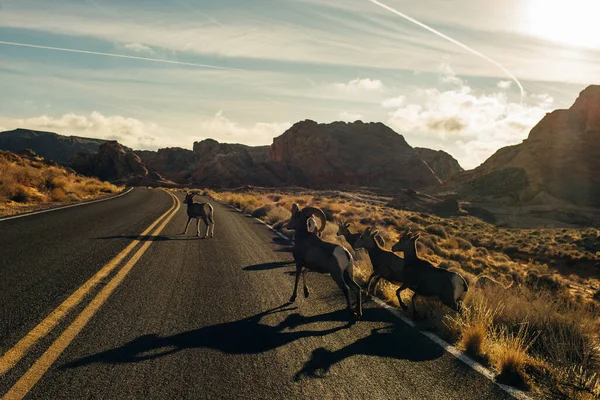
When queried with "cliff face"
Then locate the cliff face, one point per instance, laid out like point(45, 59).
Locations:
point(443, 164)
point(349, 154)
point(112, 163)
point(48, 145)
point(229, 165)
point(559, 161)
point(174, 163)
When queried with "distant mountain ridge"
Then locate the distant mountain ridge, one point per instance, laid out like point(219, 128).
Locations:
point(308, 154)
point(48, 145)
point(559, 162)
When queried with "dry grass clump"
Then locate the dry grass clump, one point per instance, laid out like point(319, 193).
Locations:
point(542, 332)
point(510, 356)
point(26, 183)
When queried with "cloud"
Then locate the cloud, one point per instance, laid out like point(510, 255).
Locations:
point(139, 134)
point(359, 85)
point(350, 117)
point(469, 124)
point(394, 102)
point(128, 131)
point(138, 48)
point(504, 84)
point(226, 130)
point(448, 76)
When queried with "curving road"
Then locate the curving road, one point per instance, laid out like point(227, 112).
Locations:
point(177, 317)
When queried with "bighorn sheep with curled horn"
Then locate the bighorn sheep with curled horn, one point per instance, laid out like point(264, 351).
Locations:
point(386, 264)
point(313, 253)
point(199, 210)
point(426, 280)
point(344, 230)
point(351, 238)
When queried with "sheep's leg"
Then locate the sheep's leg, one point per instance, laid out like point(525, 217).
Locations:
point(369, 281)
point(352, 283)
point(400, 289)
point(375, 283)
point(414, 297)
point(198, 227)
point(207, 227)
point(339, 279)
point(186, 225)
point(298, 272)
point(306, 291)
point(212, 226)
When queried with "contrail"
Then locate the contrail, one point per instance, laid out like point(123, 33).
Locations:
point(97, 53)
point(456, 42)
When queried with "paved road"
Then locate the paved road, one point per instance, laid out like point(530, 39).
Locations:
point(192, 318)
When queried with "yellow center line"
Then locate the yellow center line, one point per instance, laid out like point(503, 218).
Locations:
point(39, 368)
point(18, 351)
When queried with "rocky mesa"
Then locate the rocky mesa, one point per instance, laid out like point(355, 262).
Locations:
point(349, 154)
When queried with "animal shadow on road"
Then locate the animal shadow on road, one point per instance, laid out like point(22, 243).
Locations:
point(396, 340)
point(269, 265)
point(245, 336)
point(250, 336)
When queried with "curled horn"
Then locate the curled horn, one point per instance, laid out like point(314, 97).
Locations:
point(295, 209)
point(317, 212)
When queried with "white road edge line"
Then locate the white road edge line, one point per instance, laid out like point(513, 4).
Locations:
point(63, 207)
point(519, 394)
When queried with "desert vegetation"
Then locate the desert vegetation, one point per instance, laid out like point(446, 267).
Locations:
point(539, 334)
point(28, 183)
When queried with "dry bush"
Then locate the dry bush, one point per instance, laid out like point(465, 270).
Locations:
point(26, 183)
point(510, 356)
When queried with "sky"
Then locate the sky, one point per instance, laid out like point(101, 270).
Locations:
point(446, 74)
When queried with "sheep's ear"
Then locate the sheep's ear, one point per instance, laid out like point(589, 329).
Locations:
point(295, 209)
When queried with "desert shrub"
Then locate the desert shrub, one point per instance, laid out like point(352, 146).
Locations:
point(510, 354)
point(25, 182)
point(262, 212)
point(437, 230)
point(278, 214)
point(449, 264)
point(464, 244)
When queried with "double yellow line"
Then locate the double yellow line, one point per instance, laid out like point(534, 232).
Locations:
point(18, 351)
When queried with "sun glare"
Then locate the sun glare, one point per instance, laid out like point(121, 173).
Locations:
point(572, 22)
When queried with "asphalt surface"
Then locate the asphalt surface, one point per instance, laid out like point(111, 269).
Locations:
point(202, 319)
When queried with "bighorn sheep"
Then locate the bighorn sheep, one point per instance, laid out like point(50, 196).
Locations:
point(426, 280)
point(386, 264)
point(351, 238)
point(344, 230)
point(311, 225)
point(312, 253)
point(199, 210)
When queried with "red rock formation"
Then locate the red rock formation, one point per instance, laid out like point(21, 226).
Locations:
point(350, 154)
